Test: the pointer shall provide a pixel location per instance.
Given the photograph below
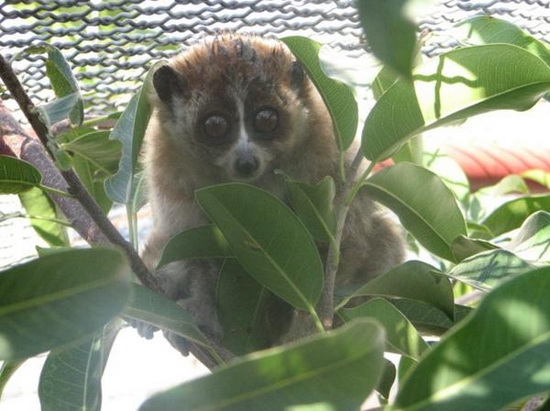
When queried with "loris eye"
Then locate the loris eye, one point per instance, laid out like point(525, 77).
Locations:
point(266, 120)
point(215, 126)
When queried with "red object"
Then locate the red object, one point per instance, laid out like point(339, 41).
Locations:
point(487, 164)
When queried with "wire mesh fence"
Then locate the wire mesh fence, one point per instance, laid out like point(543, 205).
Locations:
point(111, 44)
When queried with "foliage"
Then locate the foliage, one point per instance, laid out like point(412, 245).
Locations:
point(486, 356)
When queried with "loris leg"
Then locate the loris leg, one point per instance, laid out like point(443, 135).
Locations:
point(192, 284)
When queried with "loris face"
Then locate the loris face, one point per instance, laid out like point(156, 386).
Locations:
point(234, 104)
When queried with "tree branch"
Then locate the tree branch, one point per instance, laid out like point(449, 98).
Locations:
point(99, 227)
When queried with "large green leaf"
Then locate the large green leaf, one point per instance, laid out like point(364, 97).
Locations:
point(425, 205)
point(401, 336)
point(414, 280)
point(390, 34)
point(60, 298)
point(513, 213)
point(498, 355)
point(197, 242)
point(336, 371)
point(130, 131)
point(269, 241)
point(486, 270)
point(71, 378)
point(44, 217)
point(454, 86)
point(242, 310)
point(152, 308)
point(481, 30)
point(17, 176)
point(532, 242)
point(337, 96)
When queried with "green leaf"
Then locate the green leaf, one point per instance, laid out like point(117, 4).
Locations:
point(428, 319)
point(538, 176)
point(425, 206)
point(155, 309)
point(94, 158)
point(401, 336)
point(390, 34)
point(64, 82)
point(327, 370)
point(464, 247)
point(314, 206)
point(60, 298)
point(44, 217)
point(481, 30)
point(456, 85)
point(130, 131)
point(71, 378)
point(486, 270)
point(498, 355)
point(533, 239)
point(413, 280)
point(269, 241)
point(60, 108)
point(17, 176)
point(513, 213)
point(197, 242)
point(242, 309)
point(338, 97)
point(97, 149)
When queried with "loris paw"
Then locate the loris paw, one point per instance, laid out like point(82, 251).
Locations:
point(204, 316)
point(144, 330)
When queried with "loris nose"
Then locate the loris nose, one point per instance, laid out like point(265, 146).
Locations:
point(246, 166)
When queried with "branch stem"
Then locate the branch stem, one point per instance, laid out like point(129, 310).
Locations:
point(77, 189)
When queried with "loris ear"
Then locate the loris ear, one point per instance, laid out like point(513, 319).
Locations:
point(168, 83)
point(297, 76)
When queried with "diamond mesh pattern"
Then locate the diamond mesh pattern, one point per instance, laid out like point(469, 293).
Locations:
point(111, 44)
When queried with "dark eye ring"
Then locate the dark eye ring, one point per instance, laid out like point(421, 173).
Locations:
point(215, 126)
point(266, 120)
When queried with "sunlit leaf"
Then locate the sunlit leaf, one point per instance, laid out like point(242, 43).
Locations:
point(328, 369)
point(456, 85)
point(487, 269)
point(532, 242)
point(485, 29)
point(513, 213)
point(58, 299)
point(498, 355)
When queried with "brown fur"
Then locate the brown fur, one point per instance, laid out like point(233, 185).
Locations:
point(211, 77)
